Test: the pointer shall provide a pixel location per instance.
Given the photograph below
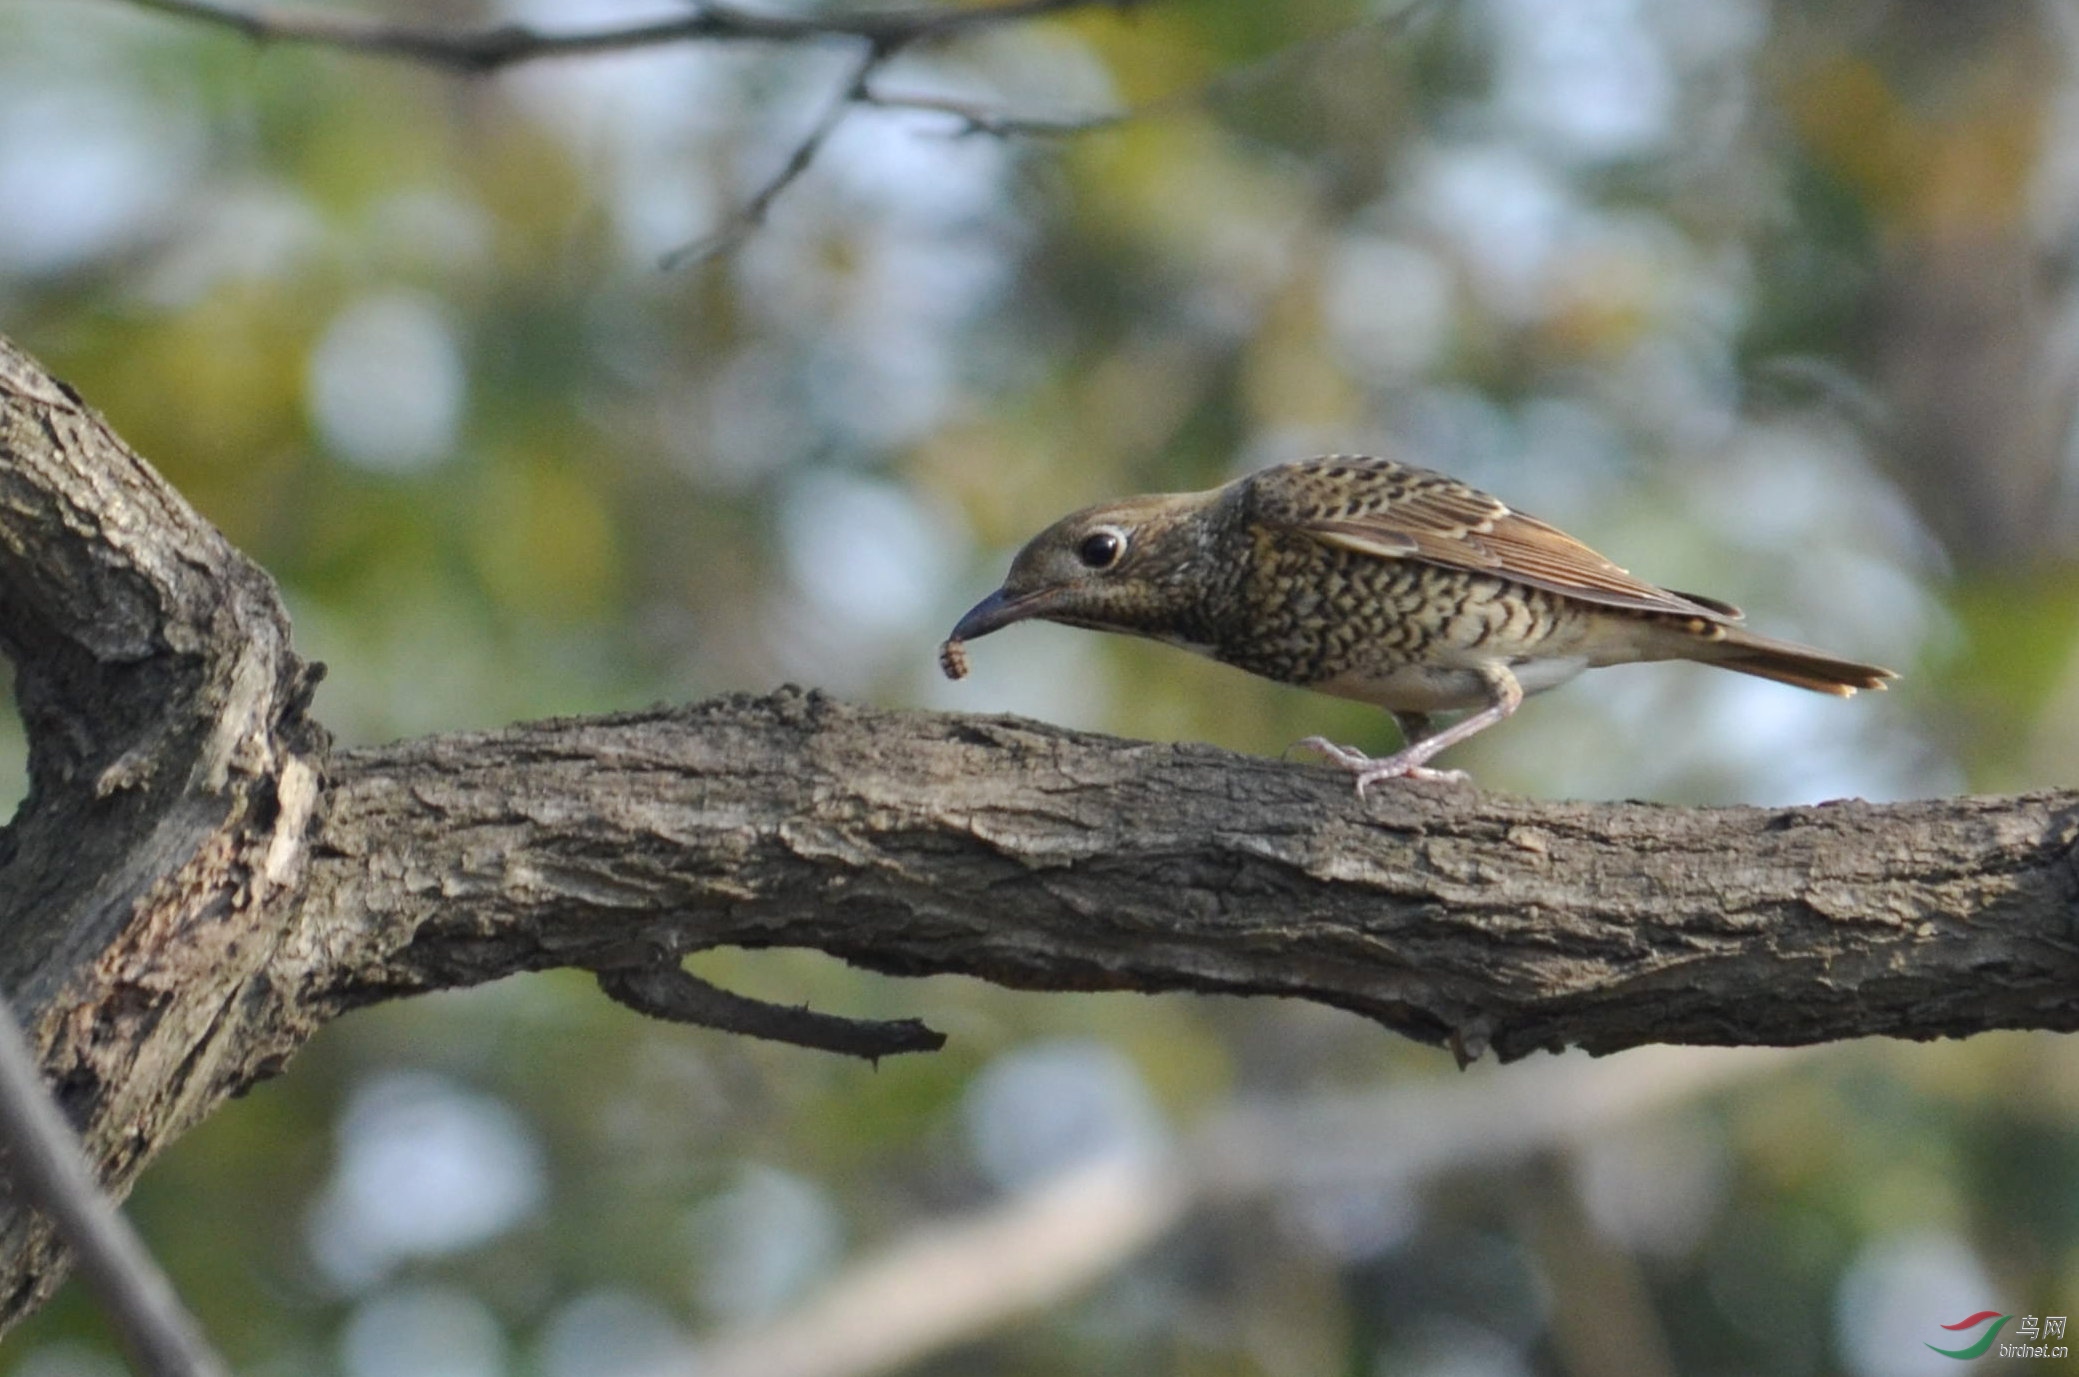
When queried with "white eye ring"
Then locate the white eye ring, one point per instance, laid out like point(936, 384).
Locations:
point(1102, 548)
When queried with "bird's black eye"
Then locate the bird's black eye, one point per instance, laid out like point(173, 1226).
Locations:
point(1101, 549)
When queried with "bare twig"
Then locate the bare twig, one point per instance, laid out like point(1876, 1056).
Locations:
point(45, 1165)
point(973, 118)
point(881, 34)
point(749, 216)
point(487, 49)
point(668, 992)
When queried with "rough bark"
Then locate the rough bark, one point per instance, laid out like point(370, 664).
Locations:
point(144, 882)
point(191, 888)
point(914, 843)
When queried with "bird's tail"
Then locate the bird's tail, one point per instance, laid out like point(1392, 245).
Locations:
point(1789, 663)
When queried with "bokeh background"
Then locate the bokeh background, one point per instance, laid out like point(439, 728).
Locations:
point(1773, 301)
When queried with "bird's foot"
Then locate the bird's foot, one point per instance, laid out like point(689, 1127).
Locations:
point(1349, 757)
point(1366, 771)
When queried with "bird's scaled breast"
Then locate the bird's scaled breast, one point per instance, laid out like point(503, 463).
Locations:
point(1399, 633)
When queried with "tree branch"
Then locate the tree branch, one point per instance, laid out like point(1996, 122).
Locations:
point(504, 45)
point(192, 887)
point(173, 776)
point(748, 217)
point(666, 992)
point(970, 118)
point(916, 843)
point(880, 36)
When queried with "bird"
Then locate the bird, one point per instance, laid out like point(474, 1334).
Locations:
point(1375, 580)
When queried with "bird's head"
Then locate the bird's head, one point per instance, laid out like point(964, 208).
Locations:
point(1130, 566)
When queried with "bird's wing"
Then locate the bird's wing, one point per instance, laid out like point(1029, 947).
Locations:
point(1393, 511)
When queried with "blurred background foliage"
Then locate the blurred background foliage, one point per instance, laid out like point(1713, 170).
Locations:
point(1773, 301)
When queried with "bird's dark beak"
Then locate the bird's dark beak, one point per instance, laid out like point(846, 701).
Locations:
point(998, 611)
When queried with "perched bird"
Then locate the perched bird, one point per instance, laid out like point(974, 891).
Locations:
point(1374, 580)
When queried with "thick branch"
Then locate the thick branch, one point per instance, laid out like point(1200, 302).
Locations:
point(916, 843)
point(172, 776)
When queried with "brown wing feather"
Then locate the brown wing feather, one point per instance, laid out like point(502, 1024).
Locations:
point(1395, 511)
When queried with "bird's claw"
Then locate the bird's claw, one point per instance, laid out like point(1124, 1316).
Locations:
point(1366, 771)
point(1349, 757)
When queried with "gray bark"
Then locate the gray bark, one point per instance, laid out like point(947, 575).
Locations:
point(193, 886)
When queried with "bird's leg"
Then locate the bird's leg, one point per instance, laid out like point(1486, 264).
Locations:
point(1414, 726)
point(1505, 695)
